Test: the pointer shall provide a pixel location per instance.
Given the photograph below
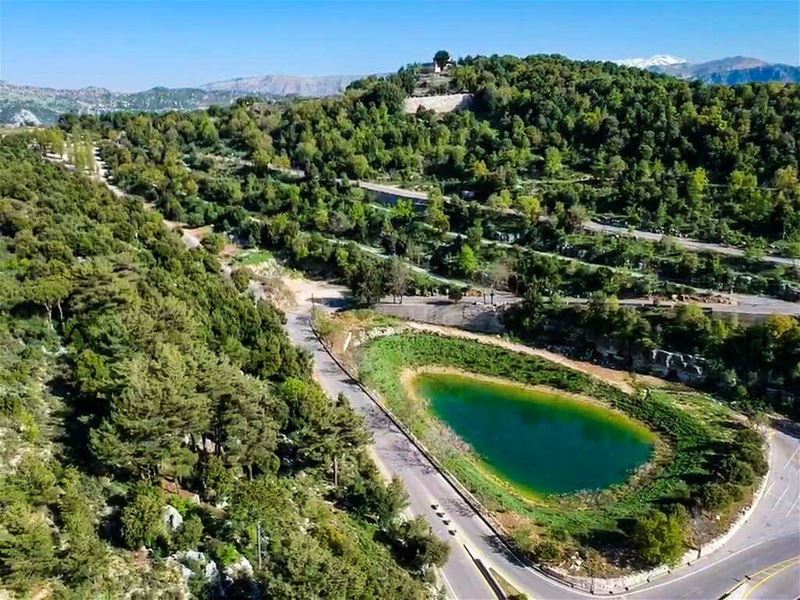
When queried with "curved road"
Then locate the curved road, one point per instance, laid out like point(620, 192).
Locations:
point(595, 227)
point(763, 546)
point(770, 536)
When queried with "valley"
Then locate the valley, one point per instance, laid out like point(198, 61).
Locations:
point(333, 347)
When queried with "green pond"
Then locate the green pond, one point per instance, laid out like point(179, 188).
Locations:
point(542, 443)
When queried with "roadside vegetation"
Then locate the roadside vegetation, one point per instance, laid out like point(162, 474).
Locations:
point(153, 416)
point(754, 367)
point(705, 467)
point(522, 168)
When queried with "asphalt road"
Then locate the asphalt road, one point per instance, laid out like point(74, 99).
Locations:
point(771, 535)
point(398, 456)
point(781, 580)
point(689, 244)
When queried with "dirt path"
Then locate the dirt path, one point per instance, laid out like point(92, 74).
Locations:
point(620, 379)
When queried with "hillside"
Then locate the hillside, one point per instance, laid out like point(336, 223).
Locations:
point(46, 104)
point(545, 144)
point(158, 426)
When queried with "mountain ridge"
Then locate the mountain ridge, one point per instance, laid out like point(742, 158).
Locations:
point(731, 70)
point(25, 104)
point(655, 60)
point(33, 105)
point(284, 85)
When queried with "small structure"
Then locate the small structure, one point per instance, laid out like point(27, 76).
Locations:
point(440, 64)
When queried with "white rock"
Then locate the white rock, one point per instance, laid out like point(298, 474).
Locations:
point(241, 568)
point(171, 517)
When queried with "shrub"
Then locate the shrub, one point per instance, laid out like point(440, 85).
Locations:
point(214, 243)
point(142, 524)
point(189, 535)
point(659, 538)
point(548, 551)
point(737, 471)
point(714, 496)
point(241, 278)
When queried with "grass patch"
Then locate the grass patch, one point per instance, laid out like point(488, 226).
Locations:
point(248, 258)
point(509, 590)
point(695, 430)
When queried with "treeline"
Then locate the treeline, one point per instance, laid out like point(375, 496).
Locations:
point(134, 379)
point(755, 366)
point(714, 161)
point(308, 221)
point(214, 167)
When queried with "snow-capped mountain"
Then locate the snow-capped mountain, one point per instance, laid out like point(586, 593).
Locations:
point(659, 60)
point(726, 71)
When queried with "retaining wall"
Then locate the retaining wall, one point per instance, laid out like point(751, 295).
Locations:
point(438, 104)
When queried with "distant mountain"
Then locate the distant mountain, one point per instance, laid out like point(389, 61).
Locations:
point(28, 104)
point(728, 71)
point(775, 73)
point(659, 60)
point(22, 104)
point(285, 85)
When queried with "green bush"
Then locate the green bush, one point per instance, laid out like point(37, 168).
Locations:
point(659, 538)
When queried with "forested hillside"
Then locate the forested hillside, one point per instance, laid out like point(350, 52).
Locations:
point(546, 142)
point(713, 161)
point(151, 411)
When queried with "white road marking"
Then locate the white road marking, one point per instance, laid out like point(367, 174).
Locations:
point(693, 573)
point(450, 591)
point(780, 498)
point(791, 508)
point(769, 487)
point(788, 462)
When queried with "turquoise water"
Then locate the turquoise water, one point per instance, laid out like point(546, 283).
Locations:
point(541, 442)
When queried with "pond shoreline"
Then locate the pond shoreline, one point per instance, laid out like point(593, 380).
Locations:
point(688, 425)
point(660, 448)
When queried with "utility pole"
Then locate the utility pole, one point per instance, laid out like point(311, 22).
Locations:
point(258, 534)
point(336, 471)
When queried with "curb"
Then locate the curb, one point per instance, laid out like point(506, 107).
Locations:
point(465, 494)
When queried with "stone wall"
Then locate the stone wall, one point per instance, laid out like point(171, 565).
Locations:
point(438, 104)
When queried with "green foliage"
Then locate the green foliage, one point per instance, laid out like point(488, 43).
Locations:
point(441, 58)
point(415, 547)
point(142, 523)
point(241, 278)
point(467, 261)
point(214, 243)
point(761, 356)
point(659, 538)
point(190, 533)
point(169, 373)
point(86, 552)
point(27, 547)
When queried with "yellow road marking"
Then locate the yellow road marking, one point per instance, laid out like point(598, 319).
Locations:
point(782, 567)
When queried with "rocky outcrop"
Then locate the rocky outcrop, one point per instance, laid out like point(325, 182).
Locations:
point(194, 563)
point(171, 517)
point(687, 368)
point(466, 314)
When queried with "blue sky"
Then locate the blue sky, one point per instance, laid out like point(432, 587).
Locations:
point(137, 45)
